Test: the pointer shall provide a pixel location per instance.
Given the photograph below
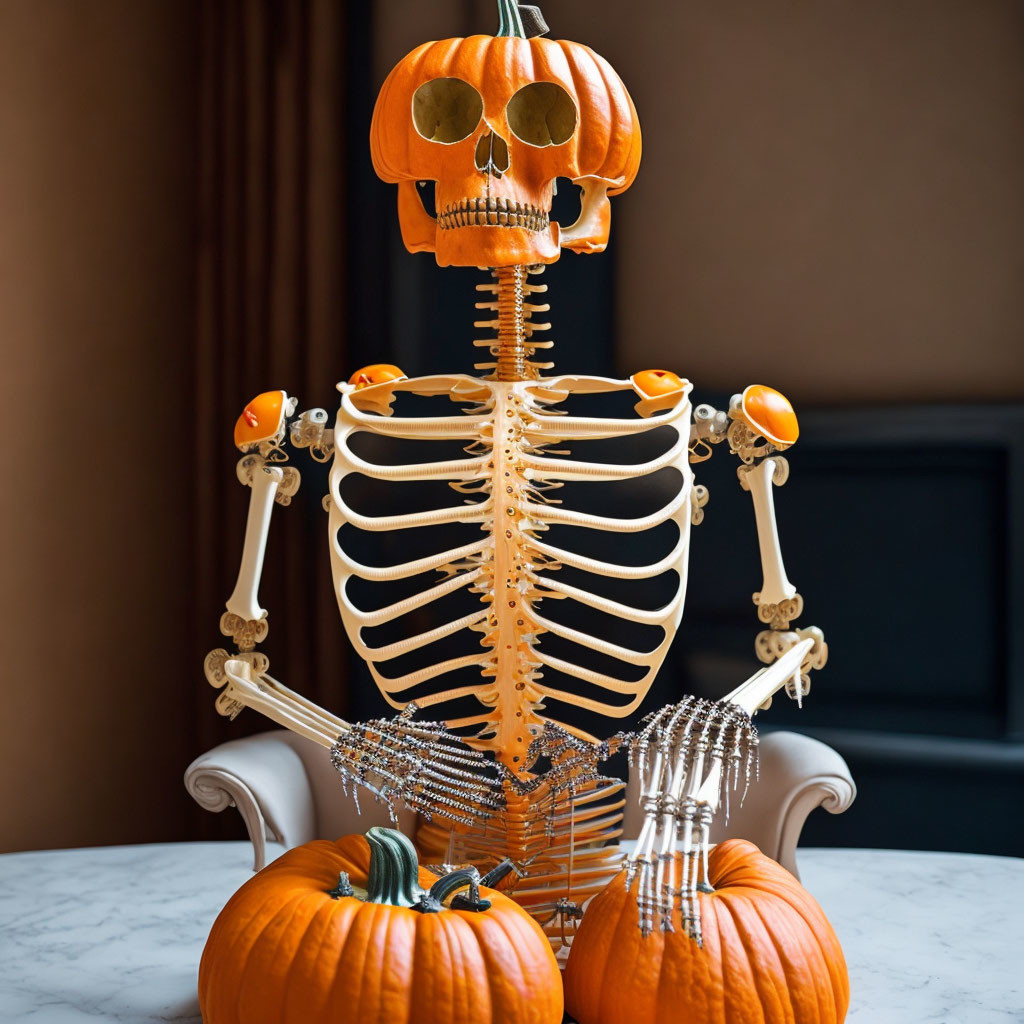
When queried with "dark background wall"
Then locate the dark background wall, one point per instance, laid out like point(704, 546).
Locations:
point(830, 202)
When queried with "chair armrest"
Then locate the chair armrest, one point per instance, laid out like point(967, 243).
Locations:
point(798, 774)
point(266, 780)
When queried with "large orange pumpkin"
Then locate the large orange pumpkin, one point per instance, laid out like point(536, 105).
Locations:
point(494, 120)
point(346, 932)
point(769, 954)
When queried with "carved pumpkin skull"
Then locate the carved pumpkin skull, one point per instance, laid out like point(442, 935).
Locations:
point(494, 120)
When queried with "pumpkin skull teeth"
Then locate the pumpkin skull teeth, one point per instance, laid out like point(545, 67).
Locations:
point(493, 212)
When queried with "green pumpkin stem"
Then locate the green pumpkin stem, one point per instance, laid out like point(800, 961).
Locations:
point(509, 21)
point(451, 883)
point(498, 873)
point(394, 870)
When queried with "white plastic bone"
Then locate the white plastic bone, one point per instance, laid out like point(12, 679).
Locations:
point(251, 691)
point(759, 479)
point(244, 599)
point(590, 231)
point(751, 696)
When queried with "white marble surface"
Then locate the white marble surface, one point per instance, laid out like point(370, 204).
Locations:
point(115, 934)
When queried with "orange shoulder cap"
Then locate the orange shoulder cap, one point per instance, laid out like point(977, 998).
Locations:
point(375, 373)
point(262, 419)
point(655, 383)
point(769, 413)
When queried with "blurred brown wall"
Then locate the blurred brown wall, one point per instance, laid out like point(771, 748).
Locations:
point(832, 193)
point(97, 232)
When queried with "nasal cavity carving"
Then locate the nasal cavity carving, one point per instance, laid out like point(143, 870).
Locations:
point(491, 155)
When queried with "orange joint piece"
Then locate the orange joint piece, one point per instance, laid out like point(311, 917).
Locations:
point(375, 373)
point(769, 413)
point(655, 383)
point(261, 420)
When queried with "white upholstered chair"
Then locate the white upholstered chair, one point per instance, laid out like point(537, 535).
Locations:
point(286, 790)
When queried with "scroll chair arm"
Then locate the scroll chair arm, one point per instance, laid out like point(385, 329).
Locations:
point(264, 777)
point(797, 775)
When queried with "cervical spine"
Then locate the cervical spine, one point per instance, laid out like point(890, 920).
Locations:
point(514, 345)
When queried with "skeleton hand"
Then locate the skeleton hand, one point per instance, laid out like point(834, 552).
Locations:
point(573, 763)
point(692, 755)
point(421, 764)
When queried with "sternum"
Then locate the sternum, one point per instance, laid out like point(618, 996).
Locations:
point(512, 625)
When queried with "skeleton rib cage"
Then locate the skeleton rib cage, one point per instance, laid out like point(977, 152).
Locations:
point(510, 484)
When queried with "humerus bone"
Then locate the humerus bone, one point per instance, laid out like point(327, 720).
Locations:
point(758, 480)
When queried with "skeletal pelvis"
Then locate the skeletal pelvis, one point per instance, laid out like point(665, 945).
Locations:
point(486, 619)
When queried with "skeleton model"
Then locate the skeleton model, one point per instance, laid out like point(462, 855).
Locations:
point(466, 625)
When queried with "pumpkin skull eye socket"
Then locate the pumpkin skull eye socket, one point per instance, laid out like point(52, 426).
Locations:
point(542, 114)
point(446, 110)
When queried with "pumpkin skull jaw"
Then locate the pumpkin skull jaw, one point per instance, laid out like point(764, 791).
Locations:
point(491, 220)
point(499, 223)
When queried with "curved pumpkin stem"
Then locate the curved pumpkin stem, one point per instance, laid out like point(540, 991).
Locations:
point(509, 21)
point(451, 883)
point(394, 870)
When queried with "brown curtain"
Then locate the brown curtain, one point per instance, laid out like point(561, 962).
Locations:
point(271, 298)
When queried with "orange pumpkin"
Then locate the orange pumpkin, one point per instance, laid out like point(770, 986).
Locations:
point(769, 954)
point(494, 120)
point(347, 931)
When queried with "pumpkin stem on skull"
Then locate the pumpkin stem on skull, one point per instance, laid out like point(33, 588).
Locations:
point(509, 21)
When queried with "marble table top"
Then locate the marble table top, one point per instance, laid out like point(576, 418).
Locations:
point(115, 933)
